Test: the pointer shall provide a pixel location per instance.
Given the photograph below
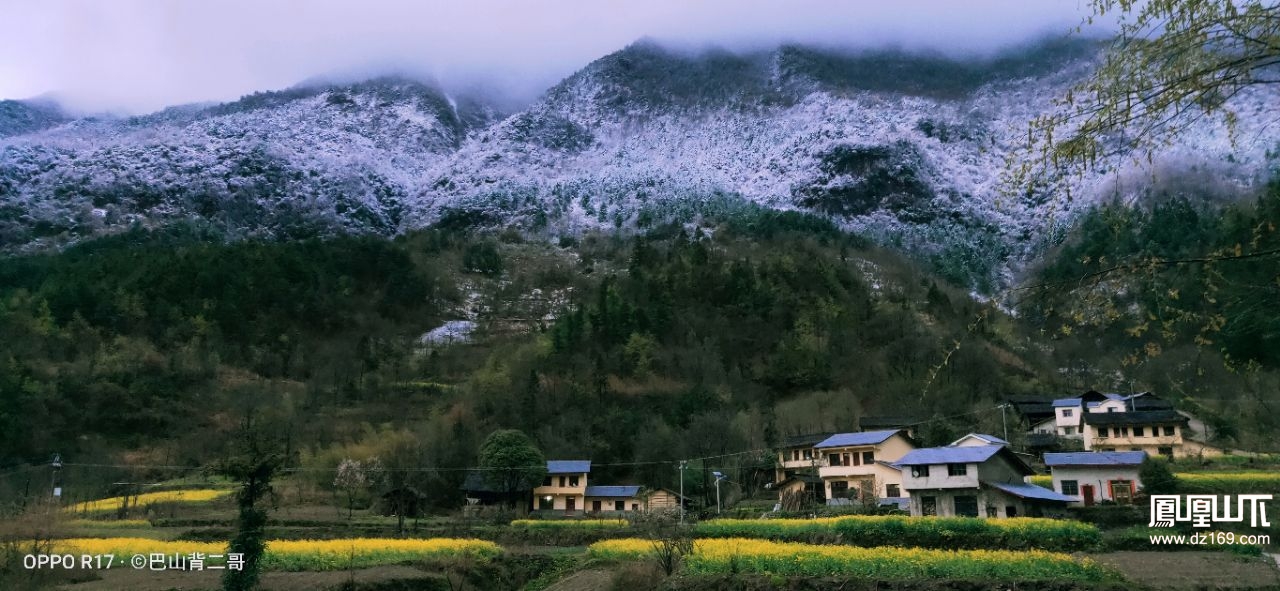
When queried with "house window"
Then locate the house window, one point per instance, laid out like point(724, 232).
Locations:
point(1165, 451)
point(1112, 409)
point(795, 455)
point(1066, 412)
point(892, 490)
point(1103, 432)
point(839, 488)
point(635, 506)
point(1010, 511)
point(928, 505)
point(833, 459)
point(919, 471)
point(958, 470)
point(619, 505)
point(546, 503)
point(967, 506)
point(848, 461)
point(808, 454)
point(1139, 431)
point(562, 482)
point(991, 510)
point(868, 457)
point(573, 481)
point(1068, 430)
point(546, 481)
point(1124, 431)
point(1169, 431)
point(1071, 487)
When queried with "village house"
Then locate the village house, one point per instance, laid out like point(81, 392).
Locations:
point(613, 499)
point(1092, 477)
point(860, 465)
point(661, 499)
point(974, 480)
point(796, 456)
point(564, 488)
point(1157, 432)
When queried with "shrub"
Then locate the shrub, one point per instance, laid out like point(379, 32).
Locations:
point(570, 523)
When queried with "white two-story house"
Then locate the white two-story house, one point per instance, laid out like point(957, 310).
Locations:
point(860, 465)
point(974, 481)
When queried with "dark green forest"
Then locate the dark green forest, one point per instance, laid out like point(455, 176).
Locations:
point(686, 341)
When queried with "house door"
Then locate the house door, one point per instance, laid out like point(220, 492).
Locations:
point(570, 503)
point(595, 506)
point(1086, 491)
point(1121, 491)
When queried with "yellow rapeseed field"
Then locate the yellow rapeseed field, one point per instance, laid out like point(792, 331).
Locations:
point(740, 555)
point(142, 500)
point(570, 523)
point(299, 555)
point(110, 523)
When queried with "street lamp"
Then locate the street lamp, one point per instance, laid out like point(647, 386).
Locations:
point(719, 477)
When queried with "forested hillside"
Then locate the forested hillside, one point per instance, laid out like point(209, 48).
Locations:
point(1178, 294)
point(682, 342)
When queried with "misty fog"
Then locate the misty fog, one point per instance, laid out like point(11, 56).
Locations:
point(133, 56)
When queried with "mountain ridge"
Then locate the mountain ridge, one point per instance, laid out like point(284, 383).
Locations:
point(901, 147)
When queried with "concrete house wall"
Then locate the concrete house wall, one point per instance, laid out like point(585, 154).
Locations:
point(1099, 477)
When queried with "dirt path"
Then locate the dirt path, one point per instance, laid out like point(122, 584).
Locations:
point(584, 580)
point(117, 579)
point(1194, 570)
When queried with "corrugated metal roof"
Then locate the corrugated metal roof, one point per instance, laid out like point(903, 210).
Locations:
point(1060, 402)
point(1095, 458)
point(612, 491)
point(950, 455)
point(863, 438)
point(1030, 491)
point(568, 466)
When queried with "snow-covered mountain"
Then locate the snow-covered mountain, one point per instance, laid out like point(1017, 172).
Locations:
point(905, 148)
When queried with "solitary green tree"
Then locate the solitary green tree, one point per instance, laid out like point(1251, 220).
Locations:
point(1157, 478)
point(512, 463)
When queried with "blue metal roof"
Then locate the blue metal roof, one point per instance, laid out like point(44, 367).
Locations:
point(1066, 402)
point(1095, 458)
point(950, 455)
point(568, 466)
point(903, 503)
point(863, 438)
point(1030, 491)
point(625, 491)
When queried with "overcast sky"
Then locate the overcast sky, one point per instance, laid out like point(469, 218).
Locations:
point(141, 55)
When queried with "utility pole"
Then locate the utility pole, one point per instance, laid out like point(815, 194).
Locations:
point(683, 463)
point(56, 464)
point(1004, 421)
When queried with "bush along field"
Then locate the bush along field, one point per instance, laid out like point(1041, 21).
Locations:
point(569, 524)
point(924, 532)
point(738, 555)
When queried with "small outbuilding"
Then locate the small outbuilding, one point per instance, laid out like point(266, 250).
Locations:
point(1096, 476)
